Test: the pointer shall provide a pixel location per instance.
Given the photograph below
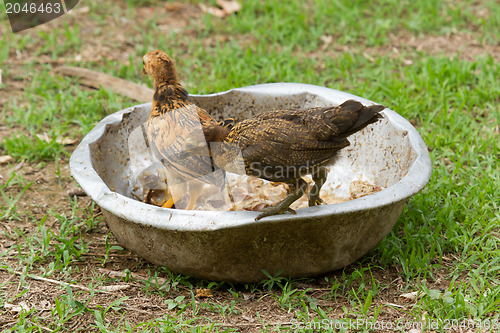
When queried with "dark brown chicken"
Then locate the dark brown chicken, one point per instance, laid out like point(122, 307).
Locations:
point(176, 132)
point(284, 145)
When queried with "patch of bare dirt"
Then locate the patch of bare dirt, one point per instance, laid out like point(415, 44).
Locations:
point(460, 45)
point(45, 191)
point(464, 46)
point(115, 39)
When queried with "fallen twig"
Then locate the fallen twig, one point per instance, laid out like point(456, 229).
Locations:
point(48, 60)
point(61, 283)
point(94, 79)
point(103, 289)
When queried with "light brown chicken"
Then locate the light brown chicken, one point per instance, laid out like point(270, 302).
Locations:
point(176, 132)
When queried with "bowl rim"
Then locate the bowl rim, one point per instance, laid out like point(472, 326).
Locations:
point(198, 220)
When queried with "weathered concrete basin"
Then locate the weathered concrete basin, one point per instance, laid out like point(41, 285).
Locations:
point(230, 245)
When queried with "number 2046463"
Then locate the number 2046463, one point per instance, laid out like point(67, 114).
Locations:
point(33, 8)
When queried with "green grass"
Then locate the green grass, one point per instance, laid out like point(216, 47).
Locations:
point(446, 244)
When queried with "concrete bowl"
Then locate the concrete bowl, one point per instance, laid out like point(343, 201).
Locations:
point(230, 245)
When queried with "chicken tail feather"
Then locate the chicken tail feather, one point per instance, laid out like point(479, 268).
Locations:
point(354, 116)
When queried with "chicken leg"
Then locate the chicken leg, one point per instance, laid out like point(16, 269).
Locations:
point(169, 203)
point(297, 189)
point(319, 178)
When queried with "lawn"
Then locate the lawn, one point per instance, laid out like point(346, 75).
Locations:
point(436, 62)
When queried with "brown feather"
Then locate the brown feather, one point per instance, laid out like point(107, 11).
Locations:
point(175, 126)
point(282, 139)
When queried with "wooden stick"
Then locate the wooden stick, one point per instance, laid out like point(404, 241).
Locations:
point(94, 79)
point(104, 289)
point(64, 284)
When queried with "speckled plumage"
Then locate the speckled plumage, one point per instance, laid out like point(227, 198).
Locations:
point(295, 138)
point(284, 145)
point(175, 129)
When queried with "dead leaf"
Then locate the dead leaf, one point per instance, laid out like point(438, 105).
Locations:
point(66, 141)
point(407, 62)
point(14, 309)
point(394, 305)
point(230, 7)
point(44, 306)
point(247, 318)
point(62, 140)
point(6, 159)
point(204, 293)
point(43, 137)
point(0, 76)
point(174, 6)
point(415, 330)
point(367, 56)
point(227, 8)
point(327, 40)
point(413, 296)
point(212, 10)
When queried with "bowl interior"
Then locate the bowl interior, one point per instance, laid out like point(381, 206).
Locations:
point(380, 154)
